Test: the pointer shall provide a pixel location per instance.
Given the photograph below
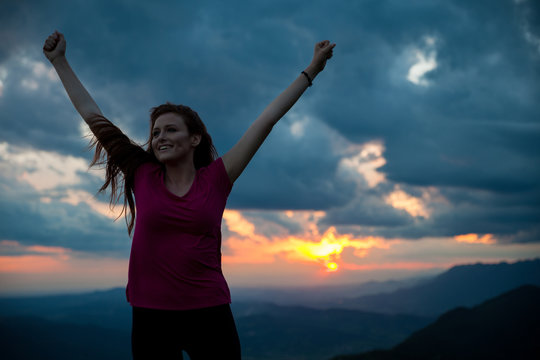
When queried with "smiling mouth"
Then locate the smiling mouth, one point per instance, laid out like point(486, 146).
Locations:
point(164, 147)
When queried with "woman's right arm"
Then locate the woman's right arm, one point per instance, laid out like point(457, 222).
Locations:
point(55, 50)
point(121, 152)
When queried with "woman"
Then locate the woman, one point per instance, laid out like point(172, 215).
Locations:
point(179, 296)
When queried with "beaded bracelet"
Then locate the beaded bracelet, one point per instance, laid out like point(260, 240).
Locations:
point(308, 78)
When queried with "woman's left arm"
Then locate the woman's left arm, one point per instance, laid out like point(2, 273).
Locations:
point(237, 158)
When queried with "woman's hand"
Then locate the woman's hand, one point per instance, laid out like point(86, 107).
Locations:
point(323, 51)
point(55, 46)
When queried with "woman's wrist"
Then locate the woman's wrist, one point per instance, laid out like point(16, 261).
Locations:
point(311, 71)
point(58, 60)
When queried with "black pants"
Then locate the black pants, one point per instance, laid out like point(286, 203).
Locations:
point(208, 333)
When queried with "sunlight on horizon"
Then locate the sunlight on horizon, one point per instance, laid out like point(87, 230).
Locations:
point(332, 266)
point(248, 246)
point(476, 239)
point(39, 269)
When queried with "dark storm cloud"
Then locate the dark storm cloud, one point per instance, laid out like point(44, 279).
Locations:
point(472, 132)
point(485, 84)
point(474, 129)
point(368, 210)
point(276, 220)
point(29, 221)
point(519, 224)
point(222, 60)
point(510, 217)
point(291, 172)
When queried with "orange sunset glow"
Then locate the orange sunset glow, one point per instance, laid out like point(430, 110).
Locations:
point(399, 199)
point(29, 264)
point(475, 239)
point(247, 246)
point(332, 266)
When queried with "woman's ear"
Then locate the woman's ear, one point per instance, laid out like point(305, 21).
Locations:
point(195, 140)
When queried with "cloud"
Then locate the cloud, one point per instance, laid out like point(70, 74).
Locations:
point(24, 74)
point(46, 201)
point(342, 256)
point(245, 245)
point(365, 160)
point(34, 269)
point(17, 258)
point(43, 170)
point(464, 131)
point(529, 14)
point(475, 238)
point(424, 62)
point(56, 224)
point(290, 162)
point(423, 125)
point(3, 76)
point(399, 199)
point(76, 197)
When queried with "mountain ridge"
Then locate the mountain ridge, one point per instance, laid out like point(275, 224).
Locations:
point(505, 327)
point(296, 332)
point(462, 285)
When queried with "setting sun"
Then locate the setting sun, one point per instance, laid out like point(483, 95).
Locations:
point(246, 246)
point(332, 266)
point(320, 250)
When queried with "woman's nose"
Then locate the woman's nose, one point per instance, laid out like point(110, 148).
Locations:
point(161, 135)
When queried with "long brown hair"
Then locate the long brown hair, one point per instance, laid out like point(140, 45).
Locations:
point(121, 157)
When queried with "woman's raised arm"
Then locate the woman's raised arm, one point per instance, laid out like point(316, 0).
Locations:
point(237, 158)
point(55, 50)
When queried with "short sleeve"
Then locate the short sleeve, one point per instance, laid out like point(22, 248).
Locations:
point(142, 173)
point(219, 177)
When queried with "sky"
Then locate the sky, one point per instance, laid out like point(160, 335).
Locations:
point(415, 150)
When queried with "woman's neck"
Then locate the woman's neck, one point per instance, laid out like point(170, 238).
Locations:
point(179, 177)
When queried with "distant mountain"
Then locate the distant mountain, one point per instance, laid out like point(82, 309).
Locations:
point(56, 327)
point(506, 327)
point(321, 297)
point(273, 332)
point(54, 307)
point(25, 338)
point(267, 331)
point(108, 309)
point(464, 285)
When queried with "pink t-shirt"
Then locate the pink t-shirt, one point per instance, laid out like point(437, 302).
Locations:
point(175, 261)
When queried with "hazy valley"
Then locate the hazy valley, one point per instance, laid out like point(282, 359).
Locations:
point(304, 323)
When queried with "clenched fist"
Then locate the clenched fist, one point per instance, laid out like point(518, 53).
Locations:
point(55, 46)
point(323, 51)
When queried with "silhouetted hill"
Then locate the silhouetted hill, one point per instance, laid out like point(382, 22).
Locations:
point(464, 285)
point(506, 327)
point(267, 331)
point(56, 326)
point(107, 308)
point(279, 332)
point(25, 338)
point(321, 296)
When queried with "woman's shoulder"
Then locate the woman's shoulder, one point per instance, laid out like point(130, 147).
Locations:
point(215, 166)
point(148, 168)
point(216, 173)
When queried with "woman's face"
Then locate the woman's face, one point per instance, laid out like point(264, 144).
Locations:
point(171, 140)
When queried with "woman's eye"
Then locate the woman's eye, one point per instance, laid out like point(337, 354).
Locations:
point(171, 129)
point(155, 134)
